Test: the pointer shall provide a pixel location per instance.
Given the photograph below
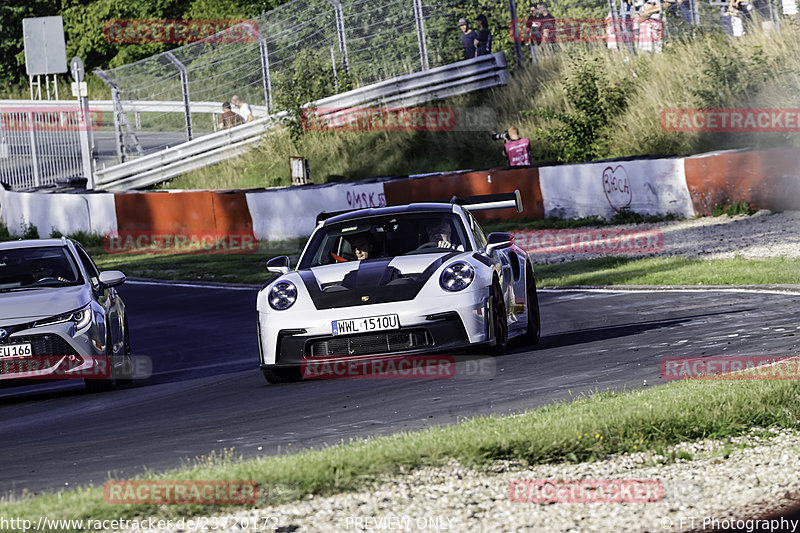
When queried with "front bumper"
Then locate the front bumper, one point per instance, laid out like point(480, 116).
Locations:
point(445, 323)
point(56, 354)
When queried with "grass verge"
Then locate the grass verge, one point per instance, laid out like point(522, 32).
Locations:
point(669, 271)
point(588, 428)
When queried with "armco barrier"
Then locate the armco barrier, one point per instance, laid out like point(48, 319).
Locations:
point(445, 186)
point(768, 179)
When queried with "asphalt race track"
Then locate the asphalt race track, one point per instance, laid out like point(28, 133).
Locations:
point(206, 392)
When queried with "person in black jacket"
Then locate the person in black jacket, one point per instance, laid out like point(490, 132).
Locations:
point(467, 39)
point(483, 42)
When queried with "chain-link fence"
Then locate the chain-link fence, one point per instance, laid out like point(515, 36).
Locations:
point(335, 45)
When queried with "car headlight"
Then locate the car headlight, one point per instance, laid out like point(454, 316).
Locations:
point(79, 318)
point(282, 295)
point(457, 276)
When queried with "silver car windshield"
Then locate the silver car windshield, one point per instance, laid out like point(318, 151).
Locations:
point(44, 266)
point(369, 238)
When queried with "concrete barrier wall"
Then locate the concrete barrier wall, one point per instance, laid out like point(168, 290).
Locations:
point(445, 186)
point(768, 179)
point(290, 213)
point(765, 179)
point(653, 186)
point(67, 213)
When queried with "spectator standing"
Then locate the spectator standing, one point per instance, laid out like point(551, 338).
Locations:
point(483, 42)
point(229, 119)
point(533, 26)
point(467, 39)
point(548, 25)
point(243, 108)
point(518, 151)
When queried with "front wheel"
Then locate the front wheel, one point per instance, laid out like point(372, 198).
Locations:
point(275, 375)
point(534, 331)
point(499, 320)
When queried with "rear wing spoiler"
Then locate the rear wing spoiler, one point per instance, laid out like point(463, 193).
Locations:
point(490, 201)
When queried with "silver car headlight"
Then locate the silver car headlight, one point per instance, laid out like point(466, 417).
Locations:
point(457, 276)
point(282, 295)
point(80, 318)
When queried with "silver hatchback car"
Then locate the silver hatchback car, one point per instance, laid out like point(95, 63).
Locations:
point(60, 318)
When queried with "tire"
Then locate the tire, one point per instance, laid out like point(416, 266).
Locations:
point(499, 320)
point(104, 384)
point(277, 375)
point(126, 375)
point(534, 331)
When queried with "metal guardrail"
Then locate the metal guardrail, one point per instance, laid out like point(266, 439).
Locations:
point(411, 89)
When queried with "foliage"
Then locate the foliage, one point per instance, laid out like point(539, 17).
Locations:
point(83, 28)
point(29, 231)
point(307, 79)
point(595, 102)
point(736, 208)
point(729, 73)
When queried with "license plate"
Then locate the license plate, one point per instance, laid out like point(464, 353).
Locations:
point(370, 323)
point(10, 350)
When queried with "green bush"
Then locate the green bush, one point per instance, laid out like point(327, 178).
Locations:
point(595, 101)
point(29, 231)
point(736, 208)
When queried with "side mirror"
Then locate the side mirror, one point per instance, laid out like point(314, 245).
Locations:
point(278, 265)
point(498, 241)
point(111, 278)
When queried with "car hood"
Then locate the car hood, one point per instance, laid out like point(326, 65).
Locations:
point(382, 280)
point(37, 303)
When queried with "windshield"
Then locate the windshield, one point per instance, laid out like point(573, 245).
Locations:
point(386, 236)
point(46, 266)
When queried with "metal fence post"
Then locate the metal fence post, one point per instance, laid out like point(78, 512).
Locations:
point(84, 132)
point(118, 125)
point(423, 44)
point(512, 7)
point(333, 64)
point(37, 180)
point(265, 79)
point(337, 11)
point(185, 90)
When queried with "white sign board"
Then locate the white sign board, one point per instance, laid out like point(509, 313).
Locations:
point(45, 50)
point(789, 7)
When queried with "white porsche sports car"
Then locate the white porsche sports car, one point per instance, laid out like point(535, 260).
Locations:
point(412, 279)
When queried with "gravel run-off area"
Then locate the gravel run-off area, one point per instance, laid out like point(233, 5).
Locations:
point(763, 234)
point(702, 486)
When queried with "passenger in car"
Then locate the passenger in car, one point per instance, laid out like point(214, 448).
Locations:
point(440, 233)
